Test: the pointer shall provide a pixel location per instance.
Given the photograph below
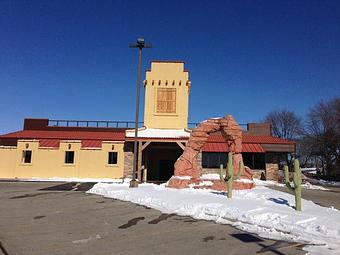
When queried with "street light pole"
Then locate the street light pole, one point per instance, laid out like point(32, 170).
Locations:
point(140, 45)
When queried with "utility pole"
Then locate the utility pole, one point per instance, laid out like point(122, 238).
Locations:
point(140, 45)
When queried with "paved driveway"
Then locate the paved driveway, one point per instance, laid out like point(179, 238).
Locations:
point(325, 198)
point(55, 218)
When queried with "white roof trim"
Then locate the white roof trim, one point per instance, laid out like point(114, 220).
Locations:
point(158, 133)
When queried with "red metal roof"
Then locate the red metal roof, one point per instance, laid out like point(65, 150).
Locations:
point(265, 139)
point(49, 143)
point(218, 138)
point(55, 143)
point(223, 147)
point(252, 147)
point(93, 139)
point(67, 135)
point(215, 147)
point(91, 144)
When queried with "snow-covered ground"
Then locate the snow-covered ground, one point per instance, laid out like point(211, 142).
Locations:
point(206, 177)
point(258, 182)
point(310, 170)
point(305, 185)
point(330, 183)
point(266, 212)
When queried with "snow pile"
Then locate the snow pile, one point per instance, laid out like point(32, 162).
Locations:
point(201, 184)
point(261, 210)
point(330, 183)
point(210, 176)
point(182, 177)
point(310, 170)
point(306, 185)
point(268, 183)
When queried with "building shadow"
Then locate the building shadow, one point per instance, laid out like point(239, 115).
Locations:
point(273, 248)
point(71, 186)
point(247, 238)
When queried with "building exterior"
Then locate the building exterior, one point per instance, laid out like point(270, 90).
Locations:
point(66, 149)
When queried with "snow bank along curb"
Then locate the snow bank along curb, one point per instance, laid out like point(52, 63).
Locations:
point(261, 210)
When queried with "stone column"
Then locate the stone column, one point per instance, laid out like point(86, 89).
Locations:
point(272, 171)
point(128, 161)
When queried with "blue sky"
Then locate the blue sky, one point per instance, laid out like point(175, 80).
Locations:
point(70, 59)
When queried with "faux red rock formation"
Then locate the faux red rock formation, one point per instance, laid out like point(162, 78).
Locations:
point(187, 165)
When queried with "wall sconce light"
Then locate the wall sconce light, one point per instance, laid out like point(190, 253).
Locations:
point(27, 145)
point(69, 146)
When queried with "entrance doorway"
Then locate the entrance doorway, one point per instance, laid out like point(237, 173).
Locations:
point(167, 169)
point(159, 158)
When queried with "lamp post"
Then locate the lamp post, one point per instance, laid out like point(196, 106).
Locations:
point(140, 45)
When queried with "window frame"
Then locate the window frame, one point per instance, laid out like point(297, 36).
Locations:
point(66, 158)
point(254, 160)
point(162, 97)
point(108, 158)
point(23, 157)
point(207, 159)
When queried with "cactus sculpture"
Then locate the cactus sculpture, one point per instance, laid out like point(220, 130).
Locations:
point(230, 174)
point(297, 183)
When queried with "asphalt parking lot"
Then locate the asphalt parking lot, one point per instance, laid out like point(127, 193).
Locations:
point(57, 218)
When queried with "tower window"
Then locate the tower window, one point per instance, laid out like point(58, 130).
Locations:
point(69, 157)
point(166, 100)
point(27, 157)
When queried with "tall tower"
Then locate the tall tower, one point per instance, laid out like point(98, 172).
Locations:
point(167, 88)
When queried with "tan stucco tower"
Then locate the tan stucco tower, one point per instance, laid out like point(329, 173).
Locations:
point(167, 88)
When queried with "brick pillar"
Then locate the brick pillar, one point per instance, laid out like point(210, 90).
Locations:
point(128, 160)
point(272, 171)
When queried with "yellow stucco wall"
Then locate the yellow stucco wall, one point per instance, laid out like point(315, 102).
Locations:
point(49, 163)
point(166, 75)
point(8, 157)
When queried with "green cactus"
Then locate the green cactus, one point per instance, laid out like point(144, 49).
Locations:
point(230, 174)
point(297, 183)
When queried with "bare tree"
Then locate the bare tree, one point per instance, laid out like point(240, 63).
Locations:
point(323, 130)
point(286, 125)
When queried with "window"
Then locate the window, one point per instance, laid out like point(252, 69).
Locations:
point(214, 159)
point(112, 158)
point(254, 160)
point(69, 157)
point(26, 157)
point(166, 100)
